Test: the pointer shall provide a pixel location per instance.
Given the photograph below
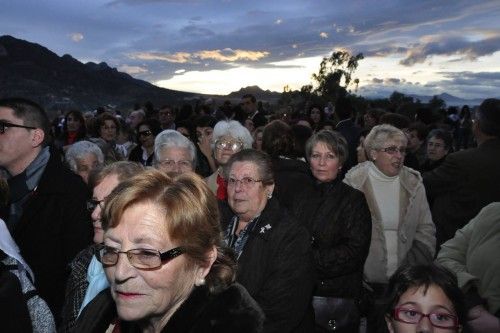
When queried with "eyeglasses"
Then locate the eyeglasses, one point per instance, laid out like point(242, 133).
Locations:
point(170, 164)
point(437, 319)
point(139, 258)
point(4, 125)
point(227, 144)
point(145, 133)
point(245, 182)
point(92, 204)
point(392, 150)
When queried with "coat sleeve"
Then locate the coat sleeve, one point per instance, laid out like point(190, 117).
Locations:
point(424, 243)
point(444, 178)
point(286, 295)
point(453, 254)
point(350, 255)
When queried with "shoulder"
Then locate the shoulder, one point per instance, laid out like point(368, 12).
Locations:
point(356, 176)
point(410, 179)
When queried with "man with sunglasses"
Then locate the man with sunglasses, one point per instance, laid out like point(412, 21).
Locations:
point(46, 213)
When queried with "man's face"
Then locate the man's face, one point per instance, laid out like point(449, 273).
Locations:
point(248, 106)
point(16, 144)
point(166, 117)
point(135, 118)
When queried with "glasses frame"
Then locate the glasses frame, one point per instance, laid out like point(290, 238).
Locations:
point(164, 256)
point(245, 182)
point(91, 204)
point(391, 150)
point(231, 145)
point(397, 317)
point(4, 125)
point(166, 163)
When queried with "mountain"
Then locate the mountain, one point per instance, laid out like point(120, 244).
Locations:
point(31, 70)
point(260, 95)
point(450, 100)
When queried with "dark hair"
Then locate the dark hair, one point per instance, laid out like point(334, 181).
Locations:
point(321, 113)
point(425, 275)
point(395, 119)
point(344, 108)
point(153, 124)
point(252, 97)
point(333, 140)
point(205, 121)
point(420, 128)
point(301, 135)
point(442, 134)
point(277, 139)
point(488, 117)
point(30, 112)
point(259, 158)
point(191, 217)
point(101, 119)
point(82, 131)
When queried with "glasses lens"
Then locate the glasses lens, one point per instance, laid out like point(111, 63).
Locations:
point(141, 258)
point(443, 320)
point(108, 256)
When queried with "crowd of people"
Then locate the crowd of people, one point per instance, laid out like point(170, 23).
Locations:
point(240, 220)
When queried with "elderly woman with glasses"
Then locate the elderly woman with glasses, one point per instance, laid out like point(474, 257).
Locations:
point(228, 138)
point(402, 227)
point(272, 249)
point(164, 260)
point(87, 276)
point(147, 130)
point(174, 153)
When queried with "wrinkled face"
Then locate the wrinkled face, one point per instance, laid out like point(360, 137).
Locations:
point(315, 115)
point(390, 162)
point(247, 200)
point(248, 106)
point(324, 163)
point(413, 141)
point(230, 146)
point(146, 294)
point(16, 143)
point(360, 150)
point(109, 130)
point(100, 193)
point(175, 160)
point(166, 117)
point(86, 164)
point(146, 137)
point(72, 123)
point(417, 299)
point(436, 149)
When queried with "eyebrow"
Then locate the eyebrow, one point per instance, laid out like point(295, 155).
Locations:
point(435, 306)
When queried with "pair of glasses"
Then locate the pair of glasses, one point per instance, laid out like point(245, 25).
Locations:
point(437, 319)
point(145, 133)
point(4, 125)
point(245, 182)
point(170, 164)
point(392, 150)
point(92, 204)
point(139, 258)
point(231, 145)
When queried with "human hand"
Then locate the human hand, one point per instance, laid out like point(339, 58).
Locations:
point(481, 321)
point(205, 146)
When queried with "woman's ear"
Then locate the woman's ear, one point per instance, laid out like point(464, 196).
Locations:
point(202, 270)
point(389, 323)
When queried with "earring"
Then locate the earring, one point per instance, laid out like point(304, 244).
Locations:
point(200, 282)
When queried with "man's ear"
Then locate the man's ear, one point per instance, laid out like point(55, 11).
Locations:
point(37, 138)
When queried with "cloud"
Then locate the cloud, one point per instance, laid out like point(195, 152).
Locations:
point(179, 57)
point(453, 45)
point(132, 70)
point(323, 34)
point(226, 55)
point(377, 81)
point(76, 37)
point(195, 31)
point(180, 71)
point(278, 21)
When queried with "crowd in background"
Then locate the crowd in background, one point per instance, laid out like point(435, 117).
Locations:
point(313, 220)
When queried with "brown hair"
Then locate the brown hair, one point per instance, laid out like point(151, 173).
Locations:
point(191, 217)
point(122, 169)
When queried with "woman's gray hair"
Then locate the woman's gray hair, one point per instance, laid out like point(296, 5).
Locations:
point(259, 158)
point(234, 129)
point(172, 138)
point(379, 135)
point(79, 150)
point(333, 140)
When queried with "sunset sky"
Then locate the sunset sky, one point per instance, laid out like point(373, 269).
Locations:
point(219, 46)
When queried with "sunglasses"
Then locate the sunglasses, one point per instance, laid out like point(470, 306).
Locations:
point(4, 125)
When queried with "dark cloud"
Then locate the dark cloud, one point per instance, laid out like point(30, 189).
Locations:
point(196, 31)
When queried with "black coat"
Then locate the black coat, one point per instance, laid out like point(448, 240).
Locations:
point(136, 156)
point(291, 177)
point(339, 221)
point(232, 310)
point(276, 269)
point(351, 132)
point(462, 185)
point(54, 227)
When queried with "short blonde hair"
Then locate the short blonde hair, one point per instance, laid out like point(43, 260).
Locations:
point(379, 134)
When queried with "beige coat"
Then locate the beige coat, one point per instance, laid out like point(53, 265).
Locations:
point(212, 182)
point(416, 233)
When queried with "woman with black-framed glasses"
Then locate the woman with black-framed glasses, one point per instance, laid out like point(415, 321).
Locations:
point(164, 260)
point(424, 298)
point(147, 131)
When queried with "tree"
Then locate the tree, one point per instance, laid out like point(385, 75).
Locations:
point(335, 75)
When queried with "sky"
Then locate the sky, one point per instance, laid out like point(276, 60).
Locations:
point(218, 46)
